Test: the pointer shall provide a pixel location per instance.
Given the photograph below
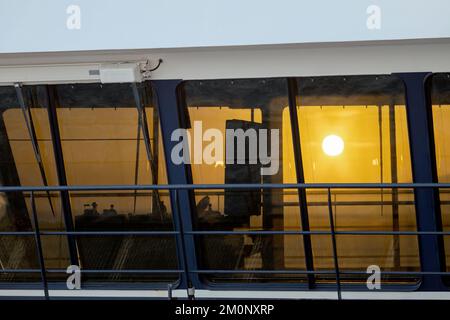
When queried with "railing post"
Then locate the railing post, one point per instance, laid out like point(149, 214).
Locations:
point(37, 238)
point(180, 241)
point(333, 240)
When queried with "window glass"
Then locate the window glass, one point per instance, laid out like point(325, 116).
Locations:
point(252, 106)
point(104, 142)
point(26, 159)
point(354, 130)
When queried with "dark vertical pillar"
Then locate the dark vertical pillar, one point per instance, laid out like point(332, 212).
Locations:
point(170, 120)
point(273, 215)
point(304, 217)
point(52, 101)
point(423, 160)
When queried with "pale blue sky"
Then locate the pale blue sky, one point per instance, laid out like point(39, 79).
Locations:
point(40, 25)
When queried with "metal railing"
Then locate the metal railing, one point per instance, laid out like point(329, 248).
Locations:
point(180, 233)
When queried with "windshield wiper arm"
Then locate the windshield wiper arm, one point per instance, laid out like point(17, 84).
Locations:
point(32, 132)
point(144, 126)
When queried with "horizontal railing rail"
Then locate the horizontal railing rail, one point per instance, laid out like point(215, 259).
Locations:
point(229, 186)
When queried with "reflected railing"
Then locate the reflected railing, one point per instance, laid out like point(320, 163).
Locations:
point(181, 232)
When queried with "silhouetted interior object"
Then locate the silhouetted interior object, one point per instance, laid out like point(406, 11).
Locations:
point(243, 203)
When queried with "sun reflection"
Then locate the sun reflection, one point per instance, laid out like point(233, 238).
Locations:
point(333, 145)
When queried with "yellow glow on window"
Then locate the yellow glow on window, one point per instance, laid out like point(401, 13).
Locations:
point(333, 145)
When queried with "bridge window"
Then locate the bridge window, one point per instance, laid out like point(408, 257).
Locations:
point(253, 106)
point(106, 135)
point(351, 129)
point(110, 135)
point(354, 130)
point(26, 159)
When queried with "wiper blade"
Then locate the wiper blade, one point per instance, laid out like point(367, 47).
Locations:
point(32, 132)
point(145, 132)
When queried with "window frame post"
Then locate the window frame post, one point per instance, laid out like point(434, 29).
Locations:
point(423, 162)
point(170, 120)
